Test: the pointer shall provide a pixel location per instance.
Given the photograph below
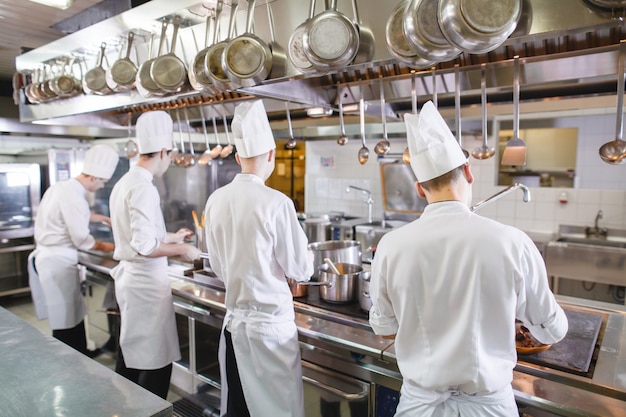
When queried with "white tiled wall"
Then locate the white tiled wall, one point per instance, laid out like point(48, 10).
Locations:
point(330, 168)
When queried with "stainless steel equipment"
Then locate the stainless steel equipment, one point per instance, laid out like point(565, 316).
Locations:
point(317, 229)
point(338, 251)
point(20, 188)
point(341, 287)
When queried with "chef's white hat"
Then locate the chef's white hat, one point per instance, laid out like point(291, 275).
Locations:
point(251, 129)
point(154, 132)
point(433, 148)
point(100, 161)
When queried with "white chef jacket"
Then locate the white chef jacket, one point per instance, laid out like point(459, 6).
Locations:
point(148, 335)
point(61, 227)
point(450, 286)
point(254, 241)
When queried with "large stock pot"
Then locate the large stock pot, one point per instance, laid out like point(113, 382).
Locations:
point(342, 287)
point(338, 251)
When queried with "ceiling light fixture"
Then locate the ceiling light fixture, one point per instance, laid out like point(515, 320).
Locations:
point(59, 4)
point(318, 112)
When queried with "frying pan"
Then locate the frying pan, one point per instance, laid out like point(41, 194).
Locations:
point(121, 75)
point(197, 67)
point(66, 85)
point(213, 60)
point(478, 26)
point(144, 82)
point(330, 39)
point(44, 89)
point(168, 71)
point(94, 81)
point(423, 32)
point(247, 59)
point(397, 44)
point(296, 50)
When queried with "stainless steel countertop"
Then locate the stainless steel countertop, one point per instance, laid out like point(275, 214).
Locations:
point(42, 377)
point(570, 395)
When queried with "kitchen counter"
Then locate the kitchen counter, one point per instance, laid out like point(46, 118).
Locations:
point(42, 377)
point(536, 387)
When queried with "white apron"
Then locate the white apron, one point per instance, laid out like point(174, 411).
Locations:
point(148, 336)
point(55, 286)
point(415, 401)
point(268, 360)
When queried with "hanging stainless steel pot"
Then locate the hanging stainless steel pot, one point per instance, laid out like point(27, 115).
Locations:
point(66, 84)
point(144, 82)
point(478, 26)
point(424, 34)
point(213, 60)
point(365, 51)
point(121, 75)
point(296, 49)
point(330, 39)
point(168, 71)
point(247, 59)
point(397, 44)
point(342, 287)
point(94, 81)
point(196, 69)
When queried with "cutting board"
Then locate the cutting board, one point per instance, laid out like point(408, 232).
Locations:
point(572, 354)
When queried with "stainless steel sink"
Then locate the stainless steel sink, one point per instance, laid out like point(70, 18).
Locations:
point(574, 255)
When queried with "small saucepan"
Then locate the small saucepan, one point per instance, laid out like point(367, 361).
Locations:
point(94, 81)
point(144, 82)
point(247, 59)
point(330, 39)
point(121, 75)
point(213, 60)
point(342, 287)
point(478, 26)
point(197, 67)
point(296, 50)
point(397, 44)
point(168, 71)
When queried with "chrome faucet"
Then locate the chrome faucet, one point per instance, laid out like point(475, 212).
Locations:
point(596, 231)
point(369, 201)
point(525, 198)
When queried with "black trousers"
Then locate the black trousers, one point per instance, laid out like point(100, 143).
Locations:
point(236, 403)
point(74, 337)
point(157, 381)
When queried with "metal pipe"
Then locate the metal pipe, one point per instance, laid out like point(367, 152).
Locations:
point(497, 196)
point(369, 201)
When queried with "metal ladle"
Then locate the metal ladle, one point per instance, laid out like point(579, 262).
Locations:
point(406, 155)
point(190, 158)
point(130, 147)
point(291, 143)
point(483, 151)
point(382, 147)
point(228, 149)
point(205, 158)
point(179, 159)
point(614, 152)
point(457, 108)
point(343, 139)
point(364, 152)
point(217, 149)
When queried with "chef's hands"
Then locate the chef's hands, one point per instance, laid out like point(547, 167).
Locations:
point(190, 253)
point(182, 235)
point(103, 246)
point(100, 218)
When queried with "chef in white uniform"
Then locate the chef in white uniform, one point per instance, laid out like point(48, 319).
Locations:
point(450, 285)
point(255, 242)
point(148, 337)
point(61, 228)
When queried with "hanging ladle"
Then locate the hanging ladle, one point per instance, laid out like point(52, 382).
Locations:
point(382, 147)
point(217, 149)
point(483, 151)
point(205, 158)
point(179, 159)
point(406, 155)
point(457, 108)
point(343, 139)
point(228, 149)
point(614, 152)
point(291, 143)
point(130, 147)
point(190, 158)
point(364, 152)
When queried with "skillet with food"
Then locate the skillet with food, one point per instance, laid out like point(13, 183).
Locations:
point(525, 343)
